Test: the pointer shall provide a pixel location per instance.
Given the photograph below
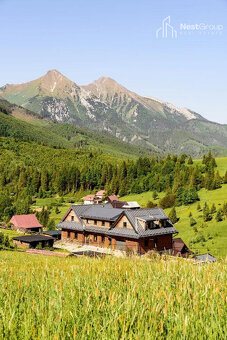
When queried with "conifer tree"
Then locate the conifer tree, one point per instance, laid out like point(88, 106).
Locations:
point(155, 195)
point(225, 178)
point(218, 216)
point(198, 206)
point(190, 161)
point(213, 209)
point(173, 215)
point(206, 213)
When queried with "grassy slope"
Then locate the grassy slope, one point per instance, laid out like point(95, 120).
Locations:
point(83, 298)
point(217, 230)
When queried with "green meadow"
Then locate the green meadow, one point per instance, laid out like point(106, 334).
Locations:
point(213, 237)
point(110, 298)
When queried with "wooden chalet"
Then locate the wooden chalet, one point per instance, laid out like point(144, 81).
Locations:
point(137, 230)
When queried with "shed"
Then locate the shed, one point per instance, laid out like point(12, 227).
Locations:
point(26, 223)
point(180, 248)
point(32, 241)
point(205, 258)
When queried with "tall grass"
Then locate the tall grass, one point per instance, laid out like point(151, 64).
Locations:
point(110, 298)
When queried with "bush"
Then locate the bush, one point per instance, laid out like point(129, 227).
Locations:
point(151, 205)
point(167, 201)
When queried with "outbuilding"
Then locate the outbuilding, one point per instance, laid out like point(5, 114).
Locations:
point(26, 223)
point(32, 241)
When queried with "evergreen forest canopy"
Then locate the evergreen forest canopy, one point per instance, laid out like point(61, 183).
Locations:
point(28, 169)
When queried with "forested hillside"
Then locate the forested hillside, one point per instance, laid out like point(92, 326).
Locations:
point(27, 126)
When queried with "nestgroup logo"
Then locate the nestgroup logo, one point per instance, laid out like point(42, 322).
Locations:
point(166, 30)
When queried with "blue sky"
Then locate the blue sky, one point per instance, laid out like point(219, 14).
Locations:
point(88, 39)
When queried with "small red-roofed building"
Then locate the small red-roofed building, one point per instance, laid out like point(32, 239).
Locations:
point(101, 194)
point(26, 223)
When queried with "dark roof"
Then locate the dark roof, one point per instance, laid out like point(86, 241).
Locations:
point(71, 225)
point(156, 213)
point(33, 238)
point(108, 213)
point(157, 231)
point(123, 232)
point(205, 258)
point(52, 232)
point(101, 212)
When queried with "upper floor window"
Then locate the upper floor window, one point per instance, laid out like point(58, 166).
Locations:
point(95, 238)
point(68, 234)
point(76, 236)
point(125, 224)
point(103, 223)
point(95, 222)
point(146, 243)
point(72, 218)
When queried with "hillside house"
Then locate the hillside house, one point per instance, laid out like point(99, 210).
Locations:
point(26, 223)
point(91, 199)
point(101, 194)
point(137, 230)
point(125, 205)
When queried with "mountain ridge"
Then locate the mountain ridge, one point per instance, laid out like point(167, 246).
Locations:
point(106, 105)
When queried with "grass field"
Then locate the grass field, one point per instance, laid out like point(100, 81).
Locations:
point(215, 234)
point(81, 298)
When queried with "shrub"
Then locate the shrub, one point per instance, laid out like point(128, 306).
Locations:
point(167, 201)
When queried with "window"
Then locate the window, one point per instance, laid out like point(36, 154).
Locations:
point(95, 238)
point(76, 236)
point(72, 218)
point(103, 223)
point(68, 234)
point(125, 224)
point(146, 243)
point(155, 242)
point(95, 222)
point(103, 239)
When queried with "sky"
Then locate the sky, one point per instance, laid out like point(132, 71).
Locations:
point(87, 39)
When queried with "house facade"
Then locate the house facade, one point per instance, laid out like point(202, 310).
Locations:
point(136, 230)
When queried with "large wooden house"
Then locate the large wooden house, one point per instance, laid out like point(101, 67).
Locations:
point(137, 230)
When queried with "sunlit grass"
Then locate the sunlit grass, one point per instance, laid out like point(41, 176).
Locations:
point(110, 298)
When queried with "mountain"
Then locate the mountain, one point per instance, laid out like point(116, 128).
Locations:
point(105, 105)
point(24, 125)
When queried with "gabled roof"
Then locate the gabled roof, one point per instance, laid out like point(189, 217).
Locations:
point(102, 213)
point(131, 204)
point(101, 193)
point(112, 198)
point(25, 221)
point(156, 213)
point(88, 198)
